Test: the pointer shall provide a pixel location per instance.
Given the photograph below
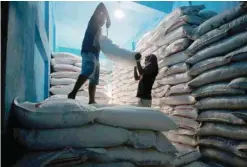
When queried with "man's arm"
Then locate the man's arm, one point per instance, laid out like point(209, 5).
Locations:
point(137, 77)
point(138, 64)
point(102, 9)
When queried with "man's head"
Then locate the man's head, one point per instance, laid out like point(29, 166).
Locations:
point(101, 19)
point(151, 59)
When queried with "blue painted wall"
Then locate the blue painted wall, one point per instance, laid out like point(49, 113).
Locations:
point(29, 45)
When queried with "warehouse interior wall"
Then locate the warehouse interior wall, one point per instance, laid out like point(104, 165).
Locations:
point(30, 37)
point(29, 41)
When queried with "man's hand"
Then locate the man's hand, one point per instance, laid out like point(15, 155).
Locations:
point(138, 56)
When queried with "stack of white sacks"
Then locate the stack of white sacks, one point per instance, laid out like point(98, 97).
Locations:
point(171, 92)
point(66, 68)
point(218, 65)
point(66, 132)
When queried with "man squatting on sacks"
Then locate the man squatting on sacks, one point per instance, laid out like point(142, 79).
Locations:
point(147, 76)
point(90, 53)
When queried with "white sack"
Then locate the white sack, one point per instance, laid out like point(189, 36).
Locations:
point(239, 83)
point(186, 112)
point(136, 156)
point(220, 48)
point(186, 158)
point(62, 60)
point(217, 89)
point(176, 68)
point(62, 89)
point(207, 14)
point(62, 81)
point(184, 139)
point(175, 79)
point(179, 89)
point(66, 67)
point(237, 132)
point(223, 157)
point(174, 59)
point(218, 34)
point(54, 113)
point(46, 139)
point(65, 74)
point(181, 32)
point(178, 100)
point(65, 55)
point(223, 102)
point(226, 72)
point(116, 54)
point(126, 117)
point(217, 21)
point(176, 46)
point(186, 123)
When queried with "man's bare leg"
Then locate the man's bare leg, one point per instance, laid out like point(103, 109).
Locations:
point(91, 91)
point(79, 82)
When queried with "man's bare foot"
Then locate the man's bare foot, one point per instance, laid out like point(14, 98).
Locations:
point(71, 96)
point(93, 102)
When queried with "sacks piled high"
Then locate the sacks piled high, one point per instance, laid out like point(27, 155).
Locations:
point(76, 131)
point(173, 91)
point(66, 68)
point(218, 65)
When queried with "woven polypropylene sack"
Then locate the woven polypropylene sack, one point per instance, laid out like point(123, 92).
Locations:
point(178, 100)
point(176, 46)
point(143, 139)
point(112, 164)
point(183, 10)
point(186, 123)
point(181, 32)
point(179, 89)
point(126, 117)
point(184, 139)
point(207, 14)
point(215, 35)
point(224, 116)
point(224, 157)
point(174, 59)
point(187, 113)
point(223, 102)
point(55, 113)
point(62, 81)
point(186, 158)
point(230, 71)
point(183, 131)
point(205, 65)
point(217, 21)
point(220, 48)
point(65, 55)
point(115, 53)
point(216, 89)
point(161, 73)
point(136, 156)
point(225, 144)
point(66, 67)
point(176, 79)
point(236, 132)
point(65, 74)
point(239, 83)
point(64, 60)
point(45, 139)
point(176, 68)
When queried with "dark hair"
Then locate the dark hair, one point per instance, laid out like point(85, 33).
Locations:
point(152, 58)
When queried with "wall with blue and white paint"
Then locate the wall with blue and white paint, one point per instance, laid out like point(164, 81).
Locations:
point(29, 45)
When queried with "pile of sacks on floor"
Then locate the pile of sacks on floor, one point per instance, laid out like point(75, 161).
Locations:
point(66, 68)
point(169, 41)
point(218, 65)
point(66, 132)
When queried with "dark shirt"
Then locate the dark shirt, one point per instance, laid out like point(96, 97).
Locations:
point(145, 86)
point(91, 36)
point(146, 82)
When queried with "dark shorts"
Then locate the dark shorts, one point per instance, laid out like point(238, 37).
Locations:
point(90, 67)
